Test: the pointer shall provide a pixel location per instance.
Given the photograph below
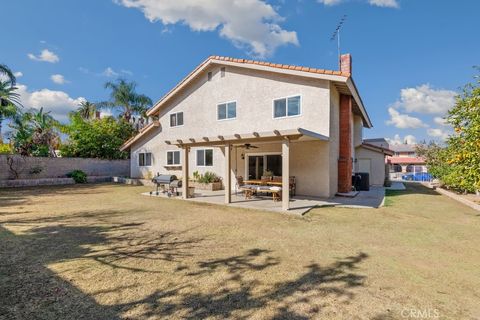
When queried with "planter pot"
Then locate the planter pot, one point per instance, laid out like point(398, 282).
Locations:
point(214, 186)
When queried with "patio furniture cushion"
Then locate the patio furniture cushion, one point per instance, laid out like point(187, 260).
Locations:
point(276, 188)
point(248, 186)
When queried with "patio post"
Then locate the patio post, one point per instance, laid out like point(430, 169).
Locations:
point(228, 178)
point(185, 151)
point(286, 174)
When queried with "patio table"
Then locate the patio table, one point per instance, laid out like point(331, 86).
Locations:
point(260, 182)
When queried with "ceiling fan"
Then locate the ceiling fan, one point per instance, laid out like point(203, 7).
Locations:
point(249, 146)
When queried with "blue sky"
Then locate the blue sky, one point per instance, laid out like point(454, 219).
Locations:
point(409, 56)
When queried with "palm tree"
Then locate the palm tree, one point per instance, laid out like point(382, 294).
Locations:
point(124, 97)
point(9, 102)
point(44, 133)
point(4, 70)
point(87, 110)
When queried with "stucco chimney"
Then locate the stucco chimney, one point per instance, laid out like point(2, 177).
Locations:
point(346, 63)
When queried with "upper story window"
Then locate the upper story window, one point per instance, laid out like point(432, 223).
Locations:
point(144, 159)
point(173, 158)
point(176, 119)
point(227, 110)
point(204, 157)
point(209, 76)
point(287, 107)
point(222, 72)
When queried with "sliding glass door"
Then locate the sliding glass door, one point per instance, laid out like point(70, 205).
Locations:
point(258, 164)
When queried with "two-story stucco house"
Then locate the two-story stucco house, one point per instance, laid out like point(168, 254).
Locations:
point(239, 118)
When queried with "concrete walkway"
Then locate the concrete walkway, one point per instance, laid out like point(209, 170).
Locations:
point(298, 205)
point(397, 186)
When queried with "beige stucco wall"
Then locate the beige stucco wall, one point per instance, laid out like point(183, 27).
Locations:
point(377, 165)
point(334, 139)
point(357, 130)
point(254, 93)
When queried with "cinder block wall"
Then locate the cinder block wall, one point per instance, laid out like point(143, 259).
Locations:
point(59, 167)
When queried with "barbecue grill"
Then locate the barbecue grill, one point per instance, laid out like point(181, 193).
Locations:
point(168, 183)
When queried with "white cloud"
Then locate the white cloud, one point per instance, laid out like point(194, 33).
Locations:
point(18, 74)
point(384, 3)
point(440, 121)
point(58, 79)
point(330, 2)
point(378, 3)
point(109, 72)
point(127, 72)
point(438, 133)
point(46, 55)
point(250, 24)
point(425, 99)
point(404, 121)
point(59, 103)
point(409, 139)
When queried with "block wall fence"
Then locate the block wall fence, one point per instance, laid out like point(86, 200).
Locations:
point(50, 168)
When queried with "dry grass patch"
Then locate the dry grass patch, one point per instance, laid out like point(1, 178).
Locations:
point(106, 252)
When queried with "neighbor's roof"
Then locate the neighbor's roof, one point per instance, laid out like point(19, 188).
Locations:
point(342, 80)
point(403, 147)
point(406, 160)
point(376, 148)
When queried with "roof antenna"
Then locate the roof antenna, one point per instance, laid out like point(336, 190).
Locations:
point(336, 34)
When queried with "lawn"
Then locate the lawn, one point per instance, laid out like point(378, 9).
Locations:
point(106, 252)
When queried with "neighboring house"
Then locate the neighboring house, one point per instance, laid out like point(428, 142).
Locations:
point(239, 118)
point(371, 157)
point(405, 159)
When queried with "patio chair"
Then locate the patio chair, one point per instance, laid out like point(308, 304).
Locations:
point(239, 184)
point(293, 185)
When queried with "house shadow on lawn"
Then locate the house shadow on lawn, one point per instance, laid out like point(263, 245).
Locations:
point(30, 290)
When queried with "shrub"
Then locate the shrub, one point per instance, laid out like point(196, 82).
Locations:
point(208, 177)
point(5, 148)
point(78, 176)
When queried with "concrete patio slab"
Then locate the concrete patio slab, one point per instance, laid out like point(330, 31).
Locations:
point(397, 186)
point(298, 205)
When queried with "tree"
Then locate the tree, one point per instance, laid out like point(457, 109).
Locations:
point(97, 138)
point(35, 134)
point(9, 102)
point(464, 145)
point(457, 164)
point(123, 96)
point(6, 71)
point(87, 110)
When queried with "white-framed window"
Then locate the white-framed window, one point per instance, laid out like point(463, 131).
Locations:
point(176, 119)
point(204, 157)
point(144, 159)
point(173, 158)
point(287, 107)
point(227, 110)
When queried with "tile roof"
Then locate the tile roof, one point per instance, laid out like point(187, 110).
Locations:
point(406, 160)
point(280, 66)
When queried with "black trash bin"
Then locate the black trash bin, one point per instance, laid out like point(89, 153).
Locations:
point(361, 181)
